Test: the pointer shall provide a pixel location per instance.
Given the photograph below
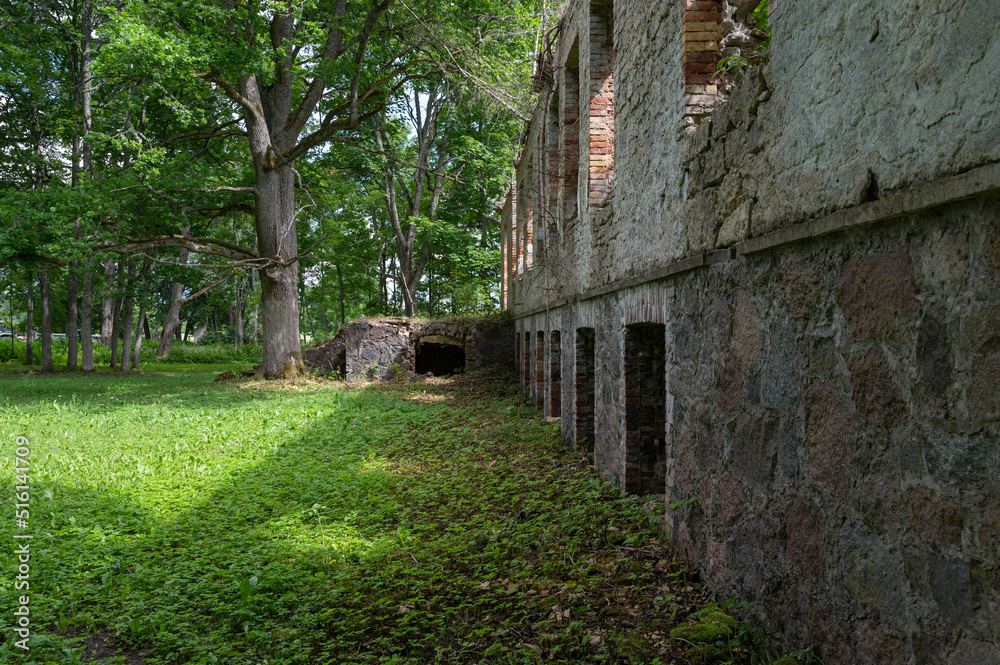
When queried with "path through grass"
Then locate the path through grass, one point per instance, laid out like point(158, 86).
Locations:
point(179, 520)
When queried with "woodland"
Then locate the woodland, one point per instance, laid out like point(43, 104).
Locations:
point(250, 172)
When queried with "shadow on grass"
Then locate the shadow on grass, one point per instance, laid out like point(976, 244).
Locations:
point(437, 522)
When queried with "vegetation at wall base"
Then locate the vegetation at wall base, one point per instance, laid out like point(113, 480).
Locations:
point(180, 520)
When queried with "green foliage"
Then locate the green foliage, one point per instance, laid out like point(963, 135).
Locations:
point(736, 65)
point(202, 522)
point(760, 14)
point(181, 353)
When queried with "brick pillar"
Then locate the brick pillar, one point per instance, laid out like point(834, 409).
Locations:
point(602, 103)
point(538, 389)
point(584, 388)
point(644, 408)
point(702, 32)
point(555, 374)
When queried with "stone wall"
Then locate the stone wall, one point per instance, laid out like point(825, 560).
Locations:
point(379, 349)
point(823, 255)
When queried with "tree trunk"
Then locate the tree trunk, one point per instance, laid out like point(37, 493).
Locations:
point(255, 315)
point(275, 223)
point(141, 322)
point(340, 280)
point(110, 302)
point(128, 304)
point(30, 323)
point(116, 322)
point(145, 329)
point(46, 323)
point(86, 313)
point(238, 315)
point(137, 349)
point(172, 321)
point(72, 296)
point(126, 317)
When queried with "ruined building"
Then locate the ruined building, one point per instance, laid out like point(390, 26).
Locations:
point(776, 298)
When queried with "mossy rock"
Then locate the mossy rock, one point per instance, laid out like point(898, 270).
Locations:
point(713, 625)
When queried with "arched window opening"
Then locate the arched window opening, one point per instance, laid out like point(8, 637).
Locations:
point(440, 355)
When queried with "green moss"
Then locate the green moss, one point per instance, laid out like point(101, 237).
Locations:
point(702, 632)
point(717, 616)
point(713, 625)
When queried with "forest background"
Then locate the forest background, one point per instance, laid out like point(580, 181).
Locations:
point(248, 172)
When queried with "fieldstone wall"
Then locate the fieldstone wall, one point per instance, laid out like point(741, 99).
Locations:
point(380, 349)
point(835, 419)
point(823, 251)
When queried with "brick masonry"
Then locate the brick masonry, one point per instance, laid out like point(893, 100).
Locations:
point(823, 253)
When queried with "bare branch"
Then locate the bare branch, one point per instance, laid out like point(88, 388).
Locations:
point(207, 288)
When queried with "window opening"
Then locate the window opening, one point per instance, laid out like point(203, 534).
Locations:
point(645, 408)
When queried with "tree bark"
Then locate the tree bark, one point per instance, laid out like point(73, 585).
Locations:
point(172, 321)
point(275, 222)
point(255, 314)
point(128, 304)
point(46, 323)
point(116, 309)
point(109, 304)
point(141, 322)
point(72, 298)
point(86, 313)
point(137, 347)
point(238, 314)
point(30, 323)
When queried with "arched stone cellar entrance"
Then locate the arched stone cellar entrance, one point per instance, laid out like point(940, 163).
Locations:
point(439, 354)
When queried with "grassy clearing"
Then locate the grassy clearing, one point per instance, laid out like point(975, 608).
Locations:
point(179, 520)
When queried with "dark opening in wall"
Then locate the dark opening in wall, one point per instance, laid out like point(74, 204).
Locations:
point(645, 408)
point(538, 389)
point(527, 368)
point(583, 384)
point(555, 374)
point(439, 355)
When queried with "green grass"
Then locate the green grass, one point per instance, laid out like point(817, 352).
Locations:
point(13, 356)
point(180, 520)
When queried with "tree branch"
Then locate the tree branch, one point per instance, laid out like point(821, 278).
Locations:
point(207, 288)
point(199, 245)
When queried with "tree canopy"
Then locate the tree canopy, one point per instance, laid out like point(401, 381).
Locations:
point(258, 170)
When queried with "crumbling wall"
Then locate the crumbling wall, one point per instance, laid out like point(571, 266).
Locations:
point(822, 252)
point(379, 349)
point(330, 357)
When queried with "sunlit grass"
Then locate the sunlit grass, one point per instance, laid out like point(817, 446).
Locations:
point(195, 521)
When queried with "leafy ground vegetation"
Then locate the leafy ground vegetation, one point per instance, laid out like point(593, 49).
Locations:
point(181, 520)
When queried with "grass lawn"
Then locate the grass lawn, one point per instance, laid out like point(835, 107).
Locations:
point(180, 520)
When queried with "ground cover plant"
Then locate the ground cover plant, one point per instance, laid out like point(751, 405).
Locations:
point(177, 519)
